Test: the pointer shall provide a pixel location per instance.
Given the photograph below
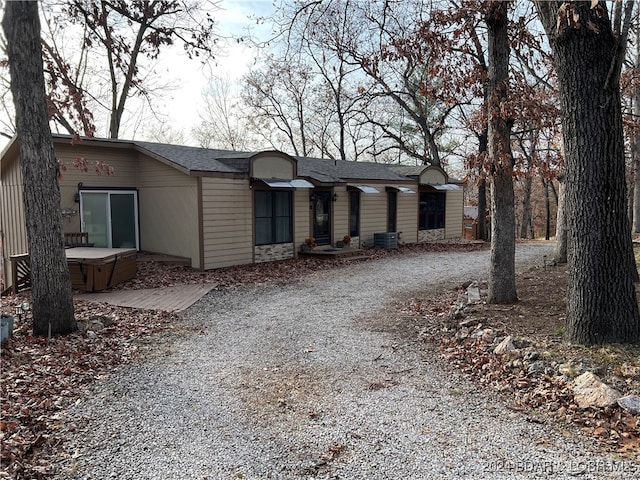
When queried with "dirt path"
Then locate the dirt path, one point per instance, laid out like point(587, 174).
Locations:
point(313, 379)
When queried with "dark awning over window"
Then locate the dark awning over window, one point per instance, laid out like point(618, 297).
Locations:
point(365, 188)
point(295, 183)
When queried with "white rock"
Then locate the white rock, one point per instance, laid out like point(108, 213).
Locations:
point(506, 345)
point(590, 391)
point(473, 294)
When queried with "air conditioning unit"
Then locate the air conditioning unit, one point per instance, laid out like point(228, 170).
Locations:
point(386, 240)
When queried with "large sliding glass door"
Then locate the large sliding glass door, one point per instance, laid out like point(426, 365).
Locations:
point(110, 218)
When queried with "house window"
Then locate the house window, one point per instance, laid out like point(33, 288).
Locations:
point(392, 210)
point(432, 210)
point(354, 213)
point(273, 217)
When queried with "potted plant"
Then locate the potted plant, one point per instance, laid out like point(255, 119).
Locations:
point(344, 243)
point(308, 245)
point(6, 326)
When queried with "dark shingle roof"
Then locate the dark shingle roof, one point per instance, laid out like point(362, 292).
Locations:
point(195, 159)
point(199, 159)
point(409, 170)
point(325, 170)
point(225, 161)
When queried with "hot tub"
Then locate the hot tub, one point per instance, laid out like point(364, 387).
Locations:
point(95, 269)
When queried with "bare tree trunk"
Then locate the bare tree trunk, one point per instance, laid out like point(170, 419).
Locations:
point(502, 274)
point(547, 208)
point(560, 252)
point(482, 190)
point(526, 229)
point(635, 148)
point(51, 286)
point(635, 154)
point(601, 298)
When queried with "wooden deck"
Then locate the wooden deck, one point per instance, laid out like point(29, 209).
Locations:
point(170, 299)
point(327, 253)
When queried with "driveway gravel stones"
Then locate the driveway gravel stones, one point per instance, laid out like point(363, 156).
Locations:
point(313, 379)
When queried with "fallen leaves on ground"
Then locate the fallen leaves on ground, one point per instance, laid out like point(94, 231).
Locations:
point(536, 377)
point(42, 378)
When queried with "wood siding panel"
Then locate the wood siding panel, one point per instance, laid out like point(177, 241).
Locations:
point(272, 167)
point(169, 220)
point(13, 229)
point(123, 163)
point(373, 215)
point(124, 175)
point(302, 217)
point(152, 173)
point(432, 176)
point(227, 222)
point(407, 221)
point(454, 212)
point(340, 214)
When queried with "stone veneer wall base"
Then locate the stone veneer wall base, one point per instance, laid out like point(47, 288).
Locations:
point(272, 253)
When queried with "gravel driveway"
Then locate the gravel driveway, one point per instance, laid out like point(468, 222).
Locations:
point(305, 380)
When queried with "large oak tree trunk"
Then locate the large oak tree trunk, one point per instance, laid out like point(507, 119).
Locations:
point(635, 144)
point(601, 303)
point(502, 274)
point(635, 159)
point(51, 287)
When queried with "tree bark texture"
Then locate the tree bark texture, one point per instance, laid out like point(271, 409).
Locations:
point(526, 228)
point(560, 251)
point(51, 286)
point(547, 209)
point(502, 274)
point(482, 209)
point(482, 190)
point(601, 303)
point(635, 145)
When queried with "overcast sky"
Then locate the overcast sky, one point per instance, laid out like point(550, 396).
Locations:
point(236, 18)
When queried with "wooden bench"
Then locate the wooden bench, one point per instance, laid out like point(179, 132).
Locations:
point(76, 239)
point(20, 272)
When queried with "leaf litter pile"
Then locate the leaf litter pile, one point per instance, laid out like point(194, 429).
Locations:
point(42, 378)
point(536, 377)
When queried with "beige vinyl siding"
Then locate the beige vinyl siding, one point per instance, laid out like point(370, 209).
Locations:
point(433, 176)
point(340, 214)
point(407, 216)
point(152, 173)
point(302, 217)
point(373, 215)
point(454, 212)
point(268, 166)
point(124, 175)
point(168, 211)
point(227, 222)
point(169, 221)
point(13, 229)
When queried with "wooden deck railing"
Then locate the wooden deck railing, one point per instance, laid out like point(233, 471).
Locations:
point(21, 272)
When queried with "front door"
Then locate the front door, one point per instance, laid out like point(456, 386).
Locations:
point(110, 218)
point(322, 217)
